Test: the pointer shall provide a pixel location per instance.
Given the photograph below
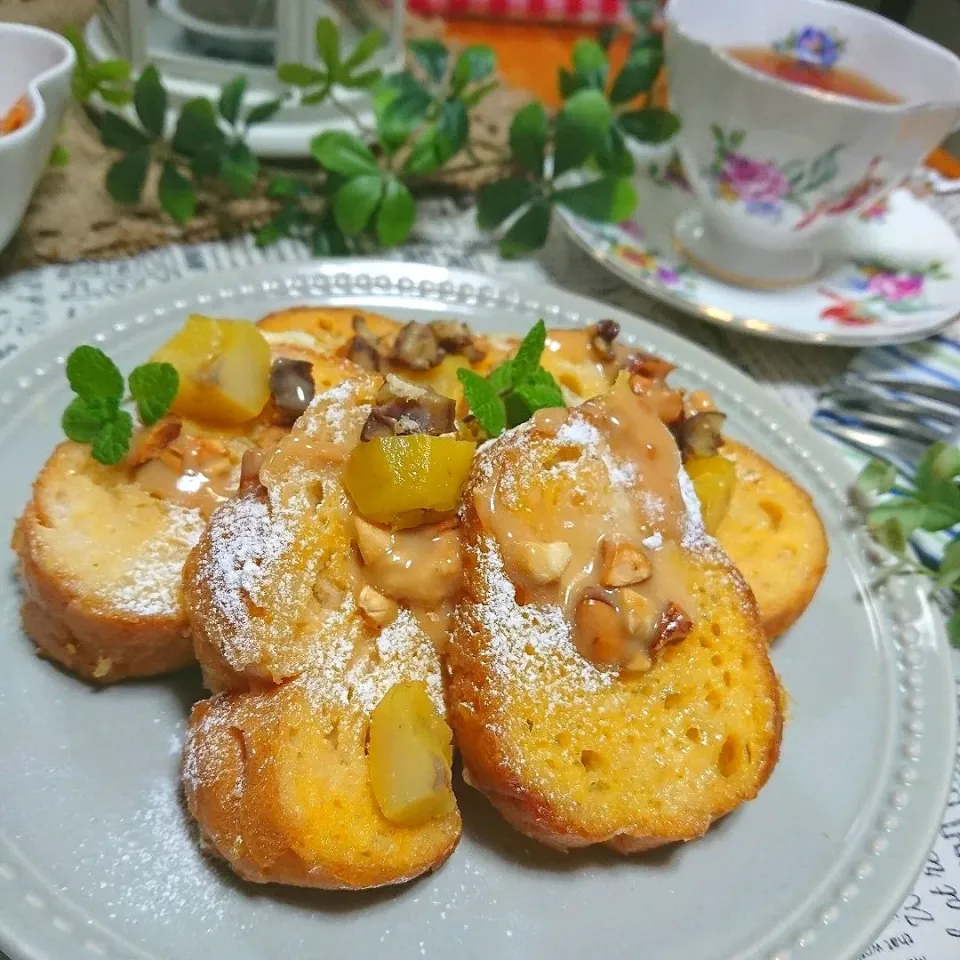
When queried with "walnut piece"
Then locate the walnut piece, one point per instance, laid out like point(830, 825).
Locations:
point(674, 625)
point(701, 434)
point(364, 348)
point(543, 562)
point(416, 347)
point(623, 564)
point(377, 608)
point(403, 408)
point(151, 441)
point(292, 387)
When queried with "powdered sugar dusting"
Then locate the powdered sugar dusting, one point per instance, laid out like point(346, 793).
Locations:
point(151, 587)
point(694, 533)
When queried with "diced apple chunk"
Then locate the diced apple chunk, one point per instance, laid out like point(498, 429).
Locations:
point(410, 754)
point(224, 368)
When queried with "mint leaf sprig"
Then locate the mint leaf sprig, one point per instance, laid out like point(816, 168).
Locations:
point(931, 503)
point(513, 391)
point(95, 414)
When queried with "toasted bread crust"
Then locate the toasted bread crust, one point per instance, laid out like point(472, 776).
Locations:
point(774, 534)
point(68, 619)
point(507, 761)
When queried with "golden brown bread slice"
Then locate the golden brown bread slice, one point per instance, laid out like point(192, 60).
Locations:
point(101, 549)
point(275, 768)
point(574, 751)
point(773, 533)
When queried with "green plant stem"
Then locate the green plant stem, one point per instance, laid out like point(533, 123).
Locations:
point(365, 130)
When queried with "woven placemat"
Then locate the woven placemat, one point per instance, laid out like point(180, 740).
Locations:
point(73, 218)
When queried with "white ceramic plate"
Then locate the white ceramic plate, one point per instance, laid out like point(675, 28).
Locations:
point(98, 861)
point(892, 276)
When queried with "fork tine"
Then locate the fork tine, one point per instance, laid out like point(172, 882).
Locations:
point(903, 454)
point(945, 395)
point(906, 428)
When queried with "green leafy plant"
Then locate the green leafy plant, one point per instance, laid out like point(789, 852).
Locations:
point(96, 416)
point(931, 503)
point(513, 391)
point(362, 192)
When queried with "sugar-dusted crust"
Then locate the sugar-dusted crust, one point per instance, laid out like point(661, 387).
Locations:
point(275, 767)
point(774, 534)
point(572, 755)
point(99, 564)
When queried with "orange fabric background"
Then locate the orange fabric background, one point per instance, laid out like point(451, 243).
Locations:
point(530, 54)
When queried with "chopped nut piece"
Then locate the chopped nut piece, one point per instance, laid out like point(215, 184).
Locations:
point(602, 337)
point(403, 409)
point(380, 610)
point(292, 387)
point(327, 593)
point(701, 434)
point(544, 562)
point(698, 401)
point(395, 388)
point(641, 614)
point(666, 402)
point(416, 347)
point(151, 441)
point(250, 472)
point(649, 366)
point(71, 649)
point(102, 668)
point(454, 336)
point(623, 564)
point(599, 635)
point(674, 625)
point(364, 348)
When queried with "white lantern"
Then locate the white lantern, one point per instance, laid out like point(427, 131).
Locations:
point(198, 45)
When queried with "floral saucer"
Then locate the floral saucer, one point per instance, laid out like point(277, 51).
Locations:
point(891, 276)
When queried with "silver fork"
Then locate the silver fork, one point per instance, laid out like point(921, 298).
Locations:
point(888, 417)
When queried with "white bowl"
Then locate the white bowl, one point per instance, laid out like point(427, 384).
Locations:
point(36, 64)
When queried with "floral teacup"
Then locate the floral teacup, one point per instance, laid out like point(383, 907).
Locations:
point(775, 163)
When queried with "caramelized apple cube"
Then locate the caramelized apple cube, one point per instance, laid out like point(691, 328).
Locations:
point(410, 753)
point(400, 481)
point(224, 368)
point(714, 479)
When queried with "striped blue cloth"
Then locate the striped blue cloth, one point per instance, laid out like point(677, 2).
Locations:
point(935, 360)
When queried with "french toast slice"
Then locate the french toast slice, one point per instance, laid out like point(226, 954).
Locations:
point(101, 548)
point(584, 714)
point(276, 770)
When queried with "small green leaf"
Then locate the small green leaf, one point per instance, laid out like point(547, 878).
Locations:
point(529, 233)
point(154, 388)
point(328, 45)
point(300, 75)
point(231, 96)
point(428, 153)
point(528, 354)
point(582, 126)
point(590, 62)
point(498, 200)
point(117, 133)
point(206, 163)
point(478, 93)
point(650, 125)
point(642, 13)
point(528, 137)
point(953, 629)
point(269, 233)
point(607, 34)
point(501, 377)
point(940, 516)
point(946, 464)
point(891, 534)
point(476, 63)
point(328, 240)
point(115, 97)
point(569, 83)
point(75, 38)
point(110, 71)
point(401, 103)
point(175, 193)
point(126, 176)
point(355, 201)
point(453, 127)
point(397, 213)
point(908, 512)
point(637, 75)
point(541, 389)
point(197, 130)
point(282, 185)
point(93, 375)
point(113, 440)
point(366, 47)
point(361, 81)
point(432, 55)
point(263, 112)
point(59, 156)
point(614, 156)
point(949, 571)
point(83, 418)
point(483, 401)
point(239, 168)
point(877, 476)
point(150, 101)
point(343, 153)
point(607, 200)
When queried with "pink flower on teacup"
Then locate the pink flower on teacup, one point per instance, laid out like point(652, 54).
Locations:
point(755, 183)
point(896, 287)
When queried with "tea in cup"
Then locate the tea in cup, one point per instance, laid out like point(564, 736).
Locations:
point(794, 116)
